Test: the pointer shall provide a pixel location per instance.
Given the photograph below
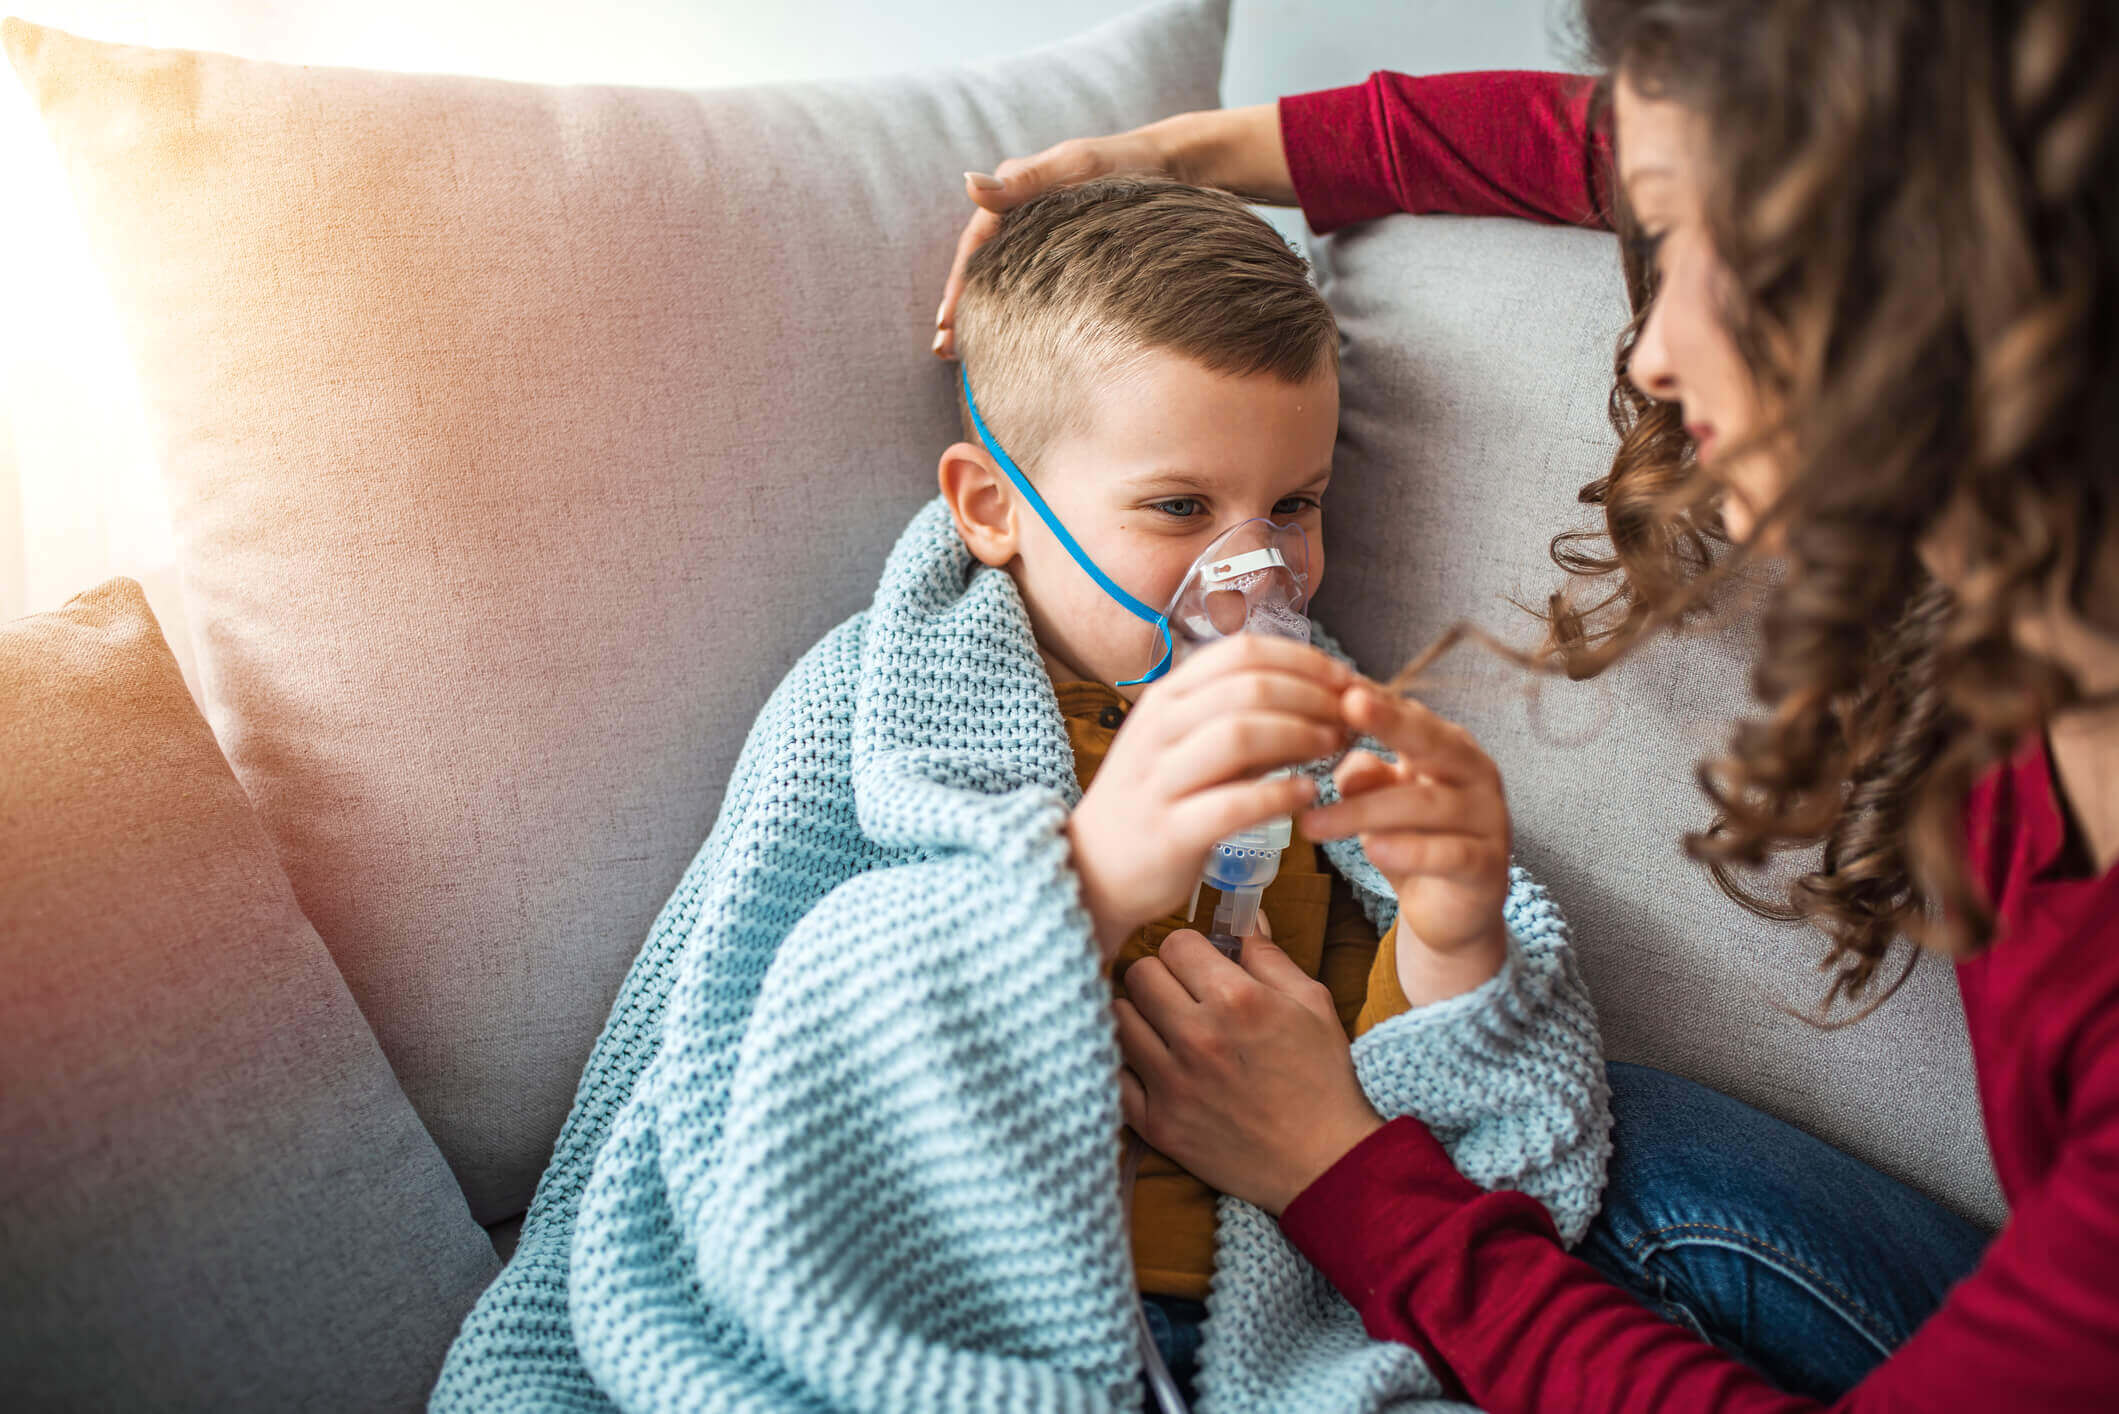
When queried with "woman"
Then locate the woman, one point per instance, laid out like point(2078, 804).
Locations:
point(1871, 248)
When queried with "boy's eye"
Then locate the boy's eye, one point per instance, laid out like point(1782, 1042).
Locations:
point(1180, 507)
point(1297, 505)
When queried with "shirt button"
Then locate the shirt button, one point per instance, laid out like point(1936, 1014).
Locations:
point(1109, 718)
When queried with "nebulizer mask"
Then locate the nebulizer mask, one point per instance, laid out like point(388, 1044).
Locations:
point(1254, 578)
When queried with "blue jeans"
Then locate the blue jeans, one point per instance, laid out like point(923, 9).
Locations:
point(1792, 1256)
point(1798, 1259)
point(1176, 1324)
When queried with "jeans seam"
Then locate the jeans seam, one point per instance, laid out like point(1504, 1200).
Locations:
point(1874, 1324)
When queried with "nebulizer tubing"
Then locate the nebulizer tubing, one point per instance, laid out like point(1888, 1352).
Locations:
point(1254, 578)
point(1161, 1383)
point(1023, 488)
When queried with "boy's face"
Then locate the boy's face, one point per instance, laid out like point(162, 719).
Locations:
point(1173, 456)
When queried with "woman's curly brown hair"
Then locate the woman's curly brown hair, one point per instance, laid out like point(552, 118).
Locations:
point(1918, 204)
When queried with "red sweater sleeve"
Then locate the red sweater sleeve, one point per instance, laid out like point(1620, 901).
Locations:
point(1507, 143)
point(1478, 1283)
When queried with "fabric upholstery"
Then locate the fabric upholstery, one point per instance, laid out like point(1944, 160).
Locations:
point(1476, 361)
point(214, 1193)
point(511, 467)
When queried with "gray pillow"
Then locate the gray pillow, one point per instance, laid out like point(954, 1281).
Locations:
point(214, 1194)
point(1477, 359)
point(518, 438)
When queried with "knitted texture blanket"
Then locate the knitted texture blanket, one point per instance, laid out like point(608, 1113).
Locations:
point(849, 1138)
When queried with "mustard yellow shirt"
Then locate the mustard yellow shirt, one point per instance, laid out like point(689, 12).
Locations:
point(1315, 919)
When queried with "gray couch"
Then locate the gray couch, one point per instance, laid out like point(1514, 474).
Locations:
point(511, 468)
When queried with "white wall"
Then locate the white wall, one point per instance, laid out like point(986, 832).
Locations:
point(1277, 45)
point(79, 496)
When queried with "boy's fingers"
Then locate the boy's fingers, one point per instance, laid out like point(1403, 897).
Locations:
point(1435, 856)
point(1419, 736)
point(1264, 651)
point(1215, 814)
point(1363, 771)
point(1266, 690)
point(1237, 746)
point(1407, 806)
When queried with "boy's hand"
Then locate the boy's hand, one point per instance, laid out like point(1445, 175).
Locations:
point(1183, 772)
point(1435, 822)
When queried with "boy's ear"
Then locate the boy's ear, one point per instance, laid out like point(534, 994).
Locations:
point(982, 502)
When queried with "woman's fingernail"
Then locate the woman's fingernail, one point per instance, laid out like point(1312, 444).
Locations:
point(940, 337)
point(984, 182)
point(940, 311)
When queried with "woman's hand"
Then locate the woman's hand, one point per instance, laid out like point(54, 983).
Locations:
point(1188, 768)
point(1436, 823)
point(1239, 1073)
point(1237, 149)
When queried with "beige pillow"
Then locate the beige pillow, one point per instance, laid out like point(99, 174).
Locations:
point(214, 1194)
point(518, 439)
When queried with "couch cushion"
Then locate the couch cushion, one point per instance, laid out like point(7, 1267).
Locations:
point(518, 439)
point(1477, 361)
point(215, 1194)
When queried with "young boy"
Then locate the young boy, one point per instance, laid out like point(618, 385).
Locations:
point(845, 1139)
point(1154, 360)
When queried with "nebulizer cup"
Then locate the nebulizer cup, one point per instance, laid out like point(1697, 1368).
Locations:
point(1254, 578)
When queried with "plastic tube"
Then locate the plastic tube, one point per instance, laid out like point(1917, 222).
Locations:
point(1160, 1381)
point(1235, 919)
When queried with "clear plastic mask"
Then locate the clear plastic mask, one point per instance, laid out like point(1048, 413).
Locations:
point(1254, 578)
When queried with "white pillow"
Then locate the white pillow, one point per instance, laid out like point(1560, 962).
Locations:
point(518, 439)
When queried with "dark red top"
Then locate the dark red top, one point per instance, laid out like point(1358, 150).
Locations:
point(1477, 1281)
point(1494, 144)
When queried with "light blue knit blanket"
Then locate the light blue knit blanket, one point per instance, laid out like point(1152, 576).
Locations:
point(849, 1138)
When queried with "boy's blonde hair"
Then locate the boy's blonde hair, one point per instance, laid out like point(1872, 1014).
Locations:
point(1083, 280)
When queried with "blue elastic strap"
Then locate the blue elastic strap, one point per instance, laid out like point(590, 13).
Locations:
point(1081, 557)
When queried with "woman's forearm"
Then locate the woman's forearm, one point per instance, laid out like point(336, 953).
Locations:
point(1236, 149)
point(1497, 143)
point(1477, 1282)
